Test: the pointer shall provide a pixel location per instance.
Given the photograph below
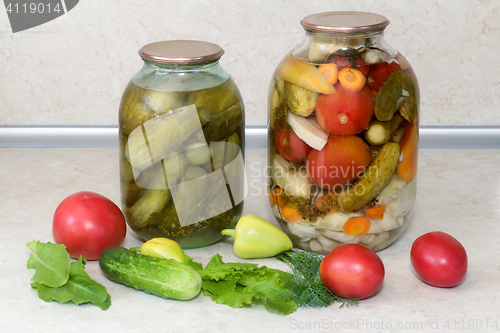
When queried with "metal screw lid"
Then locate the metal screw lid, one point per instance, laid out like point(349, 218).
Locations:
point(181, 52)
point(344, 22)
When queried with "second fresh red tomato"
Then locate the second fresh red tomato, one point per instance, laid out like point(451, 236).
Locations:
point(439, 259)
point(88, 223)
point(352, 271)
point(345, 112)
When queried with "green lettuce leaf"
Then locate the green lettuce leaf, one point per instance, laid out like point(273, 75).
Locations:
point(268, 289)
point(215, 261)
point(241, 284)
point(56, 278)
point(79, 289)
point(234, 297)
point(51, 262)
point(216, 269)
point(226, 292)
point(190, 262)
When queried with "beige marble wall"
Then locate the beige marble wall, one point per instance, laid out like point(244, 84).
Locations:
point(72, 71)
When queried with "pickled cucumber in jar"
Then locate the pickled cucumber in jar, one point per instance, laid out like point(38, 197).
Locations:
point(343, 136)
point(181, 124)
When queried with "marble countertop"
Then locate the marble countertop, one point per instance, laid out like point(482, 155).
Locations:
point(458, 193)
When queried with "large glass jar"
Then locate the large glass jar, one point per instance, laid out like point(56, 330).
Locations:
point(343, 135)
point(181, 132)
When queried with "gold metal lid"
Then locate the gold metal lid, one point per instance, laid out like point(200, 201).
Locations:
point(344, 22)
point(181, 52)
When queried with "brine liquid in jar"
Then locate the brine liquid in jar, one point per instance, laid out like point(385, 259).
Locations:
point(181, 152)
point(343, 135)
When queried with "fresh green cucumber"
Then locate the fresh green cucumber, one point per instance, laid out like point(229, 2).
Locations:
point(159, 276)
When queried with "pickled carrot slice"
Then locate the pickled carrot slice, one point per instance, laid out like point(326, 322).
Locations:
point(356, 225)
point(290, 213)
point(408, 149)
point(321, 206)
point(272, 198)
point(375, 212)
point(330, 72)
point(275, 197)
point(352, 79)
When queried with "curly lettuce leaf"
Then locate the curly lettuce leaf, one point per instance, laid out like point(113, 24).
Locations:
point(79, 289)
point(51, 262)
point(190, 262)
point(241, 284)
point(216, 269)
point(226, 292)
point(266, 284)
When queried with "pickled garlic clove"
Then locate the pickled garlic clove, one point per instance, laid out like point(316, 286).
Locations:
point(314, 245)
point(341, 237)
point(380, 225)
point(302, 231)
point(335, 221)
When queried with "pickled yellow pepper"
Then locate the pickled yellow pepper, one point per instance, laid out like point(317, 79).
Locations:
point(255, 237)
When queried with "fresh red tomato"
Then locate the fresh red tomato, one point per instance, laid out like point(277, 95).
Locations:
point(290, 146)
point(88, 223)
point(352, 271)
point(379, 74)
point(345, 112)
point(342, 160)
point(439, 259)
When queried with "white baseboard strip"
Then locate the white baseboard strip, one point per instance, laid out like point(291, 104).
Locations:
point(444, 137)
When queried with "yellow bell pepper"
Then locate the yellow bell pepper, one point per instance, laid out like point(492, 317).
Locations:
point(255, 237)
point(163, 248)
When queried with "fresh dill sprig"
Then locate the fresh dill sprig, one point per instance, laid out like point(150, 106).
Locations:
point(305, 284)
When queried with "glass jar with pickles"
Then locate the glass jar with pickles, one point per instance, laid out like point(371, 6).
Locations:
point(343, 135)
point(181, 139)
